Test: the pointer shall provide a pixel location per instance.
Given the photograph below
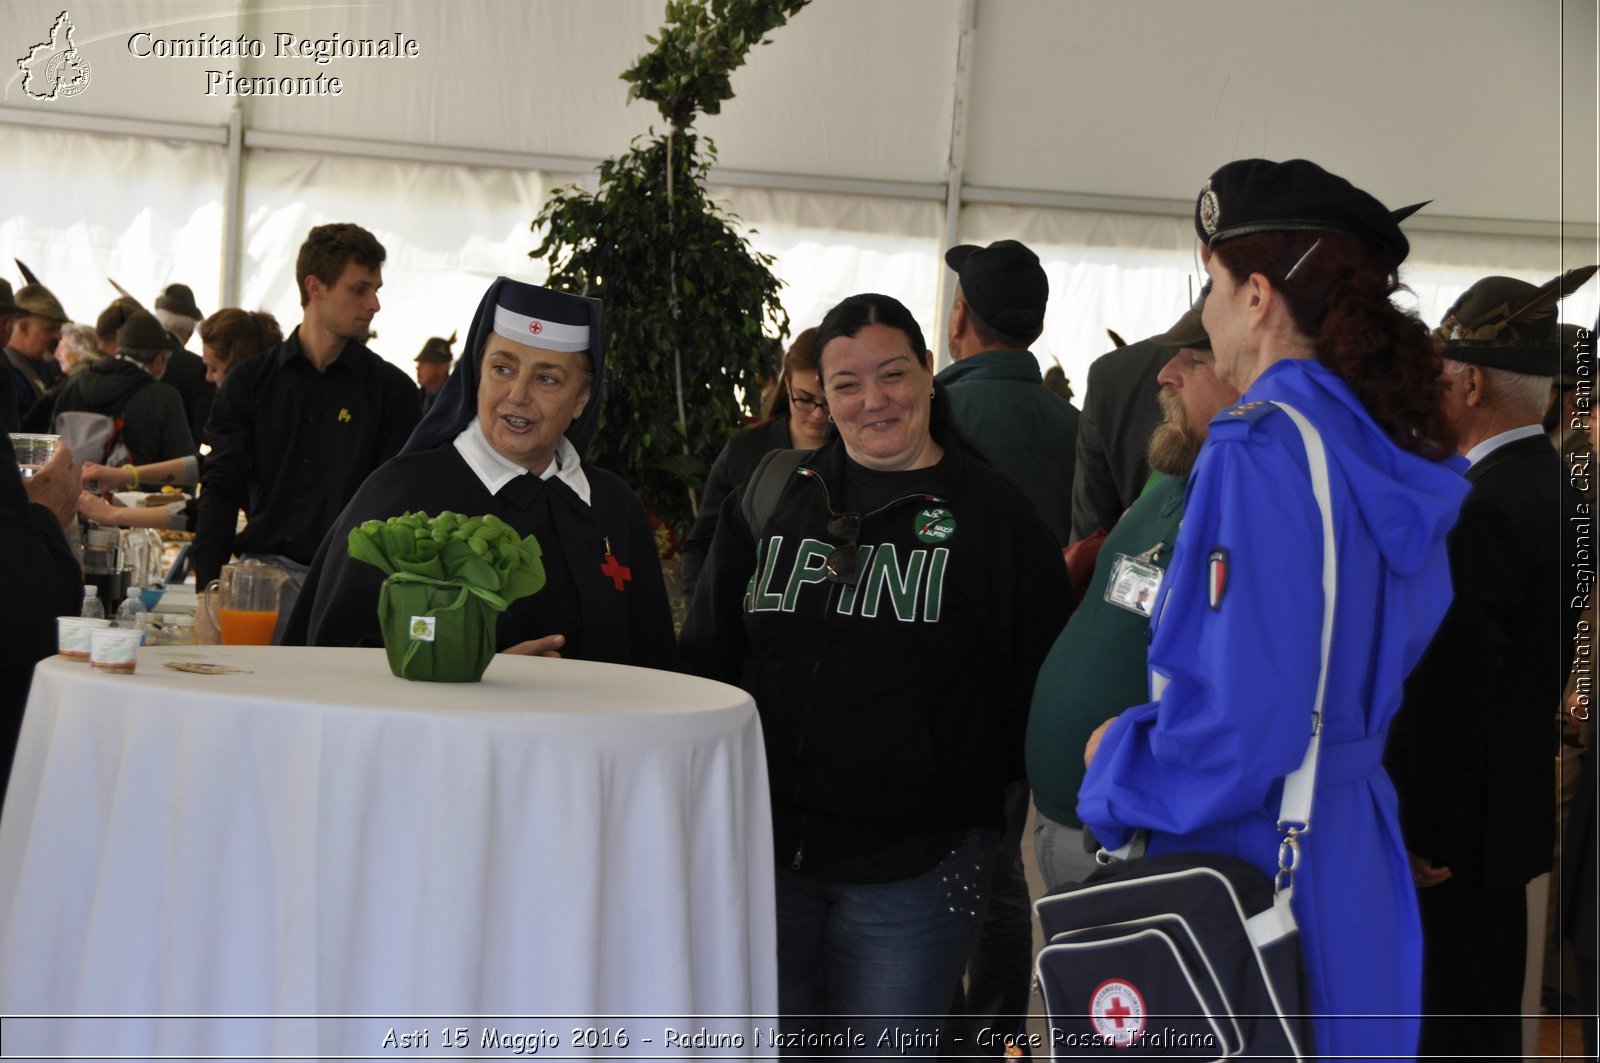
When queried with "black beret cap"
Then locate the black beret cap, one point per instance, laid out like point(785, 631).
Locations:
point(1259, 196)
point(1004, 284)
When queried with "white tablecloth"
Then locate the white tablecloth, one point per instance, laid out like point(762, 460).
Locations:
point(314, 837)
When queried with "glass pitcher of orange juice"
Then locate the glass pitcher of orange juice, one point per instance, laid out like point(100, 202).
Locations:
point(243, 603)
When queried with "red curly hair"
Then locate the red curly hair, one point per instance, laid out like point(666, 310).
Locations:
point(1340, 296)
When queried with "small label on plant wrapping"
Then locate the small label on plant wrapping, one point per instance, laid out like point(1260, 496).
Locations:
point(422, 628)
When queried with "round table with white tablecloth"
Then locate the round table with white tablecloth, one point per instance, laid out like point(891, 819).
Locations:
point(311, 836)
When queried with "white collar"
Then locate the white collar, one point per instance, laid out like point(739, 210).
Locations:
point(495, 470)
point(1493, 443)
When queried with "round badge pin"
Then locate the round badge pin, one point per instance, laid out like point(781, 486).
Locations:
point(1116, 1010)
point(1210, 209)
point(934, 525)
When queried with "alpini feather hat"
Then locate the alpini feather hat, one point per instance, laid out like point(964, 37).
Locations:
point(1504, 323)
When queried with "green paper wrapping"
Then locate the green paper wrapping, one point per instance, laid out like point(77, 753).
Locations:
point(437, 631)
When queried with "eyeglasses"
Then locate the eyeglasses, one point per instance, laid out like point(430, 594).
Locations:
point(806, 404)
point(842, 561)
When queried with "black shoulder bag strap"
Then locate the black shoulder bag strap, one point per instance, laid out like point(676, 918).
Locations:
point(765, 487)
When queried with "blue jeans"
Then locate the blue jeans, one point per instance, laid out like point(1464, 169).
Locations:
point(1059, 849)
point(879, 960)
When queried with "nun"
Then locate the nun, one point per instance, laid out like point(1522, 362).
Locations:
point(507, 436)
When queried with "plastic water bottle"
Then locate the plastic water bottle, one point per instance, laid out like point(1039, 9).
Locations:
point(91, 603)
point(182, 631)
point(128, 612)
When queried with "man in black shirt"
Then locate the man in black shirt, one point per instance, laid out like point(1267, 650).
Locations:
point(296, 429)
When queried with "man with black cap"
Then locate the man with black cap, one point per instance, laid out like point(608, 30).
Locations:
point(178, 314)
point(295, 430)
point(1471, 750)
point(995, 388)
point(148, 419)
point(33, 335)
point(1002, 406)
point(433, 368)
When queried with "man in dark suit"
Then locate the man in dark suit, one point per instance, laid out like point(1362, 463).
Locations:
point(1120, 412)
point(1472, 751)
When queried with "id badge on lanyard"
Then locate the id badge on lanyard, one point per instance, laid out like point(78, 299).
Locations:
point(1135, 581)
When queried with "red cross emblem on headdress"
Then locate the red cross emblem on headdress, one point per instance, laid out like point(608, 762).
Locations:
point(536, 328)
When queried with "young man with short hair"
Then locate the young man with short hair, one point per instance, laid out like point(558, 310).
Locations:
point(296, 429)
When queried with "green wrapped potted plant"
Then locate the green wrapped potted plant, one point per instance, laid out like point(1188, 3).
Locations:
point(450, 577)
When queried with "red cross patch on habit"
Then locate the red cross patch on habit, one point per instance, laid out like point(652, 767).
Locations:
point(618, 572)
point(536, 328)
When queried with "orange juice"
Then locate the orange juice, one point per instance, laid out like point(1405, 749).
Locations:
point(247, 627)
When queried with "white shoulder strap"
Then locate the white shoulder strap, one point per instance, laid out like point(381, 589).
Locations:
point(1294, 816)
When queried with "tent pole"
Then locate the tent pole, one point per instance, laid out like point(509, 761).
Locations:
point(233, 208)
point(945, 290)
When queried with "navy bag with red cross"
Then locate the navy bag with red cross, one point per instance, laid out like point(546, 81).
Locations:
point(1177, 956)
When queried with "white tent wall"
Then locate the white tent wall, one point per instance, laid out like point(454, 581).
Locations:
point(448, 230)
point(80, 208)
point(1083, 128)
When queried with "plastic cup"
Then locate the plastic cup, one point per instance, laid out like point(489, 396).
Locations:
point(115, 649)
point(33, 451)
point(72, 636)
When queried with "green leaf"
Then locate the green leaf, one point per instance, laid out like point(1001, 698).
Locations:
point(366, 546)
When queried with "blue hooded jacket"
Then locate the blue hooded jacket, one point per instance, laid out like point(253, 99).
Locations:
point(1234, 661)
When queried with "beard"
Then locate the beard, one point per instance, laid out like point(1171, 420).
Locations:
point(1175, 444)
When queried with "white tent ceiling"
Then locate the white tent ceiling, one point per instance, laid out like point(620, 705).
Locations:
point(885, 127)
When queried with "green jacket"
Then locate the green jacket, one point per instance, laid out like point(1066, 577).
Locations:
point(1020, 426)
point(1097, 666)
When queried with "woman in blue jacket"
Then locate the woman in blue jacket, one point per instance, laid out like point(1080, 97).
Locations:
point(1302, 266)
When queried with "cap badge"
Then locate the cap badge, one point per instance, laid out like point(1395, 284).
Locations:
point(536, 327)
point(1210, 209)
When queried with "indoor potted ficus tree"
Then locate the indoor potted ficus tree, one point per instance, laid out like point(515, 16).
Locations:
point(692, 313)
